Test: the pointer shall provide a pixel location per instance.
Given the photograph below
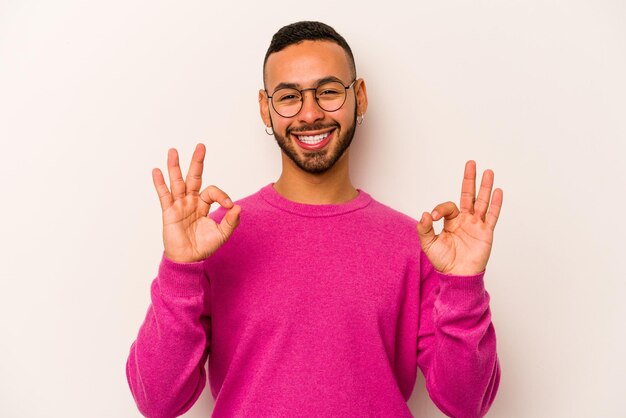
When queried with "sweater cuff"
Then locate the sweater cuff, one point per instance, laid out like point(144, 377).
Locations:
point(462, 293)
point(180, 279)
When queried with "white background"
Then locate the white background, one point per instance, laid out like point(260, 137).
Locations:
point(92, 94)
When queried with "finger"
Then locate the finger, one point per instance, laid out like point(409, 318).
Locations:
point(468, 189)
point(193, 180)
point(214, 194)
point(482, 201)
point(447, 210)
point(425, 230)
point(230, 221)
point(177, 185)
point(159, 184)
point(494, 208)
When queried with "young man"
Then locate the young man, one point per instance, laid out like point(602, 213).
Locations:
point(320, 301)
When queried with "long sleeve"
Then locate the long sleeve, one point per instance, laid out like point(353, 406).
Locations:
point(457, 342)
point(165, 367)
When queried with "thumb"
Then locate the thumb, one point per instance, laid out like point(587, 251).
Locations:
point(426, 231)
point(230, 221)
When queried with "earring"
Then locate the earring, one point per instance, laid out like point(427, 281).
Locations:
point(270, 132)
point(359, 118)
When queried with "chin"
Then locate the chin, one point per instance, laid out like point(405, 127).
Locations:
point(317, 161)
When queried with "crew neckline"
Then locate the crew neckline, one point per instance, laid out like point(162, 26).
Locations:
point(271, 196)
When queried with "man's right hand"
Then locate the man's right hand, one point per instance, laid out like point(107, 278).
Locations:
point(189, 234)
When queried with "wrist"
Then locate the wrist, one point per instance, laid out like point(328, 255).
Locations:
point(462, 272)
point(180, 258)
point(465, 269)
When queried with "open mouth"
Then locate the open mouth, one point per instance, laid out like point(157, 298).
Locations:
point(315, 141)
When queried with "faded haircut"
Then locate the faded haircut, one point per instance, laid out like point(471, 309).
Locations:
point(307, 31)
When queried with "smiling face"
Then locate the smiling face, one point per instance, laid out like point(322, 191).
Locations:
point(314, 139)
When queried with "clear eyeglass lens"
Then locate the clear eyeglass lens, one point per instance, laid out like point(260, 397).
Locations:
point(329, 96)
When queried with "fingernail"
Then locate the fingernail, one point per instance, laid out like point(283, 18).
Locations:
point(434, 214)
point(227, 201)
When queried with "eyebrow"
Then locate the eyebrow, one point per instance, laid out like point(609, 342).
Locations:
point(297, 86)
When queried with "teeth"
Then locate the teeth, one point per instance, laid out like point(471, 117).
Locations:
point(313, 139)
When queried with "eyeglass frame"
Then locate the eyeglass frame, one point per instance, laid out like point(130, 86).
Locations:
point(333, 80)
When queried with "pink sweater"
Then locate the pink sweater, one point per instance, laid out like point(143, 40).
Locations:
point(314, 311)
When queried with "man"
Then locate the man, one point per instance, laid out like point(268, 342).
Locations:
point(318, 300)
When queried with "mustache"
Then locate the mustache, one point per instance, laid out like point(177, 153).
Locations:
point(314, 127)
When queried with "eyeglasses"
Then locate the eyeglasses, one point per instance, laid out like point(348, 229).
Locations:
point(287, 102)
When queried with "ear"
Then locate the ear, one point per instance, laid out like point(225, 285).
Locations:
point(264, 108)
point(361, 96)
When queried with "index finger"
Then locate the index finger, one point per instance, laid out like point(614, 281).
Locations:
point(214, 194)
point(468, 189)
point(194, 175)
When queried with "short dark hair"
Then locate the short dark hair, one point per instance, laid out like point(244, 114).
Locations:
point(307, 31)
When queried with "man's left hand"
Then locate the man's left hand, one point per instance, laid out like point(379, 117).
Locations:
point(463, 246)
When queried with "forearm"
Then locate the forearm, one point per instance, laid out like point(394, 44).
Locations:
point(458, 353)
point(165, 367)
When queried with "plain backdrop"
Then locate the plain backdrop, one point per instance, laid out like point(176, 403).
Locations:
point(92, 95)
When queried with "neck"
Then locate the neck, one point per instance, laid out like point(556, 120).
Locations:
point(331, 187)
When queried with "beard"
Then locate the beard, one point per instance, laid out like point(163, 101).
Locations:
point(319, 161)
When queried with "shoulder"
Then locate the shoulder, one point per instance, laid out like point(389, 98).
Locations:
point(386, 212)
point(385, 218)
point(389, 212)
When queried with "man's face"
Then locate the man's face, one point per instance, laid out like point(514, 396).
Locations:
point(313, 139)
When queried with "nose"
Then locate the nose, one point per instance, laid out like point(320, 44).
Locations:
point(310, 111)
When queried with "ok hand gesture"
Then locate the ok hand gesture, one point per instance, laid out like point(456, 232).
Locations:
point(463, 246)
point(189, 234)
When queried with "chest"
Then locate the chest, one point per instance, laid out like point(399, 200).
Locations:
point(304, 279)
